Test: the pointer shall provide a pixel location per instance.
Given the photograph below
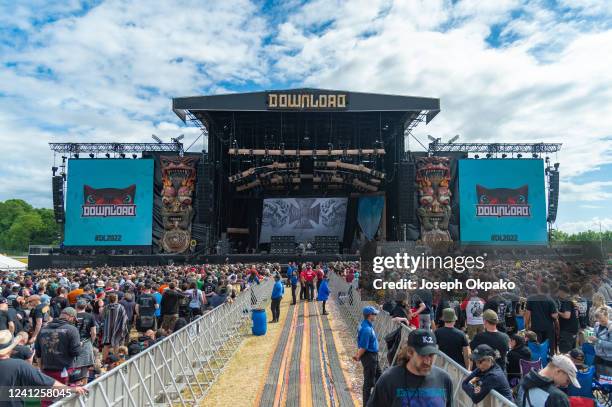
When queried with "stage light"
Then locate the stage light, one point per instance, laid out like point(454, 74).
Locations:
point(504, 155)
point(76, 156)
point(64, 158)
point(107, 155)
point(134, 156)
point(122, 155)
point(519, 155)
point(54, 170)
point(557, 166)
point(91, 155)
point(534, 155)
point(154, 137)
point(477, 156)
point(489, 155)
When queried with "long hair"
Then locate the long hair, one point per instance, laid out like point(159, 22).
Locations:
point(402, 356)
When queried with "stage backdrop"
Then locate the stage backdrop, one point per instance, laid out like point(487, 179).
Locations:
point(303, 218)
point(502, 201)
point(109, 202)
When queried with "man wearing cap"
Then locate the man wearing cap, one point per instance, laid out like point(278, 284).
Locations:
point(492, 337)
point(19, 373)
point(486, 376)
point(414, 380)
point(541, 389)
point(58, 344)
point(6, 322)
point(367, 352)
point(451, 340)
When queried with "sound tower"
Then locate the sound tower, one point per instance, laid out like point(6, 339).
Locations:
point(406, 196)
point(204, 204)
point(553, 194)
point(57, 183)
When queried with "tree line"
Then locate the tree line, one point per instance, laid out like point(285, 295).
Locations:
point(22, 225)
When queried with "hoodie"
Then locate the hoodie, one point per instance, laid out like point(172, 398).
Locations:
point(492, 379)
point(58, 344)
point(541, 392)
point(514, 356)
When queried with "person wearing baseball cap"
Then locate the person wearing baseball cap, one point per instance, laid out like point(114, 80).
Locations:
point(486, 377)
point(492, 337)
point(367, 352)
point(414, 380)
point(542, 388)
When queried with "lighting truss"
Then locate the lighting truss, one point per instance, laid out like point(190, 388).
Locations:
point(100, 148)
point(493, 148)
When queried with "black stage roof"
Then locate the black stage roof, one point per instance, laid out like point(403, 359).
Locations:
point(414, 107)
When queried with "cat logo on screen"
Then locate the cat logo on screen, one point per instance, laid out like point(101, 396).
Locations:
point(503, 202)
point(311, 101)
point(108, 202)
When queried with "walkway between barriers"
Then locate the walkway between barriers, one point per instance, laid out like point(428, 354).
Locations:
point(305, 369)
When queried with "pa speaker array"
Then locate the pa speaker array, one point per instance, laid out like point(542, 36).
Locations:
point(327, 244)
point(58, 198)
point(282, 245)
point(553, 195)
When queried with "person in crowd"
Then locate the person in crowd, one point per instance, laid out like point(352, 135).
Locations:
point(5, 320)
point(129, 305)
point(115, 326)
point(577, 357)
point(367, 352)
point(146, 307)
point(540, 316)
point(197, 300)
point(598, 302)
point(568, 320)
point(58, 344)
point(486, 376)
point(602, 340)
point(542, 389)
point(19, 373)
point(158, 297)
point(414, 380)
point(532, 337)
point(400, 309)
point(277, 295)
point(218, 299)
point(319, 275)
point(492, 337)
point(293, 278)
point(59, 302)
point(309, 275)
point(170, 306)
point(323, 293)
point(88, 333)
point(423, 302)
point(39, 315)
point(18, 315)
point(518, 350)
point(22, 350)
point(452, 341)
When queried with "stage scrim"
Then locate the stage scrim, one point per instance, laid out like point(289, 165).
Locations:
point(303, 218)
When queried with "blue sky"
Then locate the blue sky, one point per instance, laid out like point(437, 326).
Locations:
point(504, 70)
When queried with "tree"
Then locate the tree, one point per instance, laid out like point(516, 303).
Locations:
point(22, 225)
point(586, 236)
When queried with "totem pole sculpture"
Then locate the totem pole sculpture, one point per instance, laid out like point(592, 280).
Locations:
point(433, 178)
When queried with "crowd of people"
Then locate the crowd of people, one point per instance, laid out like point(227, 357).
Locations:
point(67, 326)
point(556, 308)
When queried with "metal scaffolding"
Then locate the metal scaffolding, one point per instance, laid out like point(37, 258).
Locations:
point(118, 148)
point(493, 148)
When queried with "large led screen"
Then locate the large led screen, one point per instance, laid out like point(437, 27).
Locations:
point(109, 202)
point(303, 218)
point(502, 201)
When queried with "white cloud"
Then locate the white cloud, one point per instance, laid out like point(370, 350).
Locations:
point(585, 192)
point(584, 225)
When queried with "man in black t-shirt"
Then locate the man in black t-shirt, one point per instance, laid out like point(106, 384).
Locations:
point(540, 318)
point(492, 337)
point(414, 380)
point(86, 323)
point(451, 340)
point(568, 321)
point(145, 310)
point(5, 320)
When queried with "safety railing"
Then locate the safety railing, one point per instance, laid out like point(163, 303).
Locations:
point(350, 304)
point(180, 369)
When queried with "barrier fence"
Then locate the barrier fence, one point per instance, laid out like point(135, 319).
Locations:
point(180, 369)
point(350, 304)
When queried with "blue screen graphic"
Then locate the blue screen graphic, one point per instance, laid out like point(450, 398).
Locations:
point(502, 201)
point(109, 202)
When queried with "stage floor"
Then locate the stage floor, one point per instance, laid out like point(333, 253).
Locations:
point(39, 261)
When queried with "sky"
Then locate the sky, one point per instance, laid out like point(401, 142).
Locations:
point(504, 70)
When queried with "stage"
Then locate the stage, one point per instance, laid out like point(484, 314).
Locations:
point(41, 261)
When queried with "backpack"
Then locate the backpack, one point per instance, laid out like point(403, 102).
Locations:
point(146, 305)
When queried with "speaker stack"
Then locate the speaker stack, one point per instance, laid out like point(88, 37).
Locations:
point(406, 195)
point(58, 198)
point(282, 245)
point(327, 244)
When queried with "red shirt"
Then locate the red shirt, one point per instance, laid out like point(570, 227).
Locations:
point(320, 274)
point(309, 275)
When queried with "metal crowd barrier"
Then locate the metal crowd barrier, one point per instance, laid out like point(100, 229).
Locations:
point(180, 369)
point(349, 302)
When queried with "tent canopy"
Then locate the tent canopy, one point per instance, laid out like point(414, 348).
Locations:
point(7, 263)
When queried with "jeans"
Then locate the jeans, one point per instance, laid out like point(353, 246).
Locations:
point(371, 373)
point(310, 286)
point(293, 288)
point(275, 308)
